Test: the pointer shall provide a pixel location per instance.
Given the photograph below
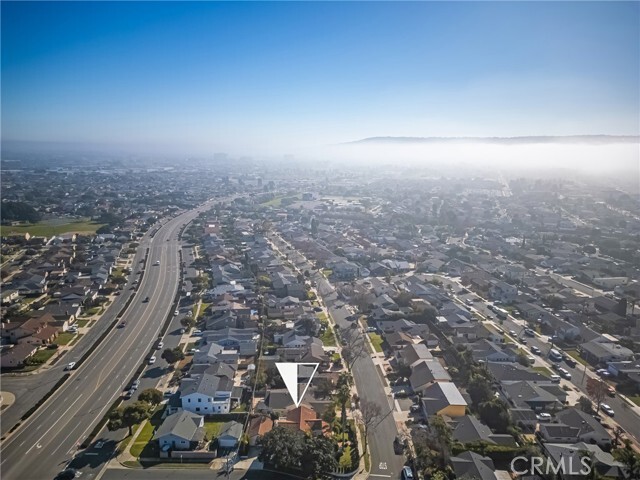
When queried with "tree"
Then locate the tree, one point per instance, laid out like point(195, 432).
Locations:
point(282, 448)
point(172, 355)
point(371, 414)
point(555, 302)
point(188, 322)
point(128, 416)
point(523, 359)
point(597, 391)
point(630, 458)
point(495, 415)
point(353, 345)
point(585, 405)
point(324, 387)
point(343, 396)
point(319, 457)
point(152, 396)
point(479, 389)
point(19, 211)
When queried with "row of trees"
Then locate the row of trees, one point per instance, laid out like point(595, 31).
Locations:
point(130, 415)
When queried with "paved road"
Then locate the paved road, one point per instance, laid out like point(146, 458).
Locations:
point(188, 474)
point(384, 461)
point(29, 389)
point(48, 439)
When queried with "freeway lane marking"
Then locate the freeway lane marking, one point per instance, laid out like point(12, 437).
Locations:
point(55, 423)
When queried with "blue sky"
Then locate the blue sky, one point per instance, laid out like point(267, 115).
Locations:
point(212, 76)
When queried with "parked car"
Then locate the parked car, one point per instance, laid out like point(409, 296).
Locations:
point(564, 374)
point(535, 350)
point(611, 391)
point(136, 384)
point(177, 312)
point(529, 333)
point(544, 417)
point(407, 473)
point(159, 345)
point(571, 362)
point(67, 474)
point(555, 378)
point(129, 393)
point(152, 360)
point(607, 409)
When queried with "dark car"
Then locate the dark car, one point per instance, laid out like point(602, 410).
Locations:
point(122, 324)
point(67, 474)
point(146, 300)
point(571, 362)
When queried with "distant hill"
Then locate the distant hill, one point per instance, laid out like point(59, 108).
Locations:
point(586, 139)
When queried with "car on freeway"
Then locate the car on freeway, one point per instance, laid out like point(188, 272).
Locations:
point(70, 366)
point(122, 324)
point(152, 360)
point(146, 300)
point(607, 409)
point(157, 262)
point(67, 474)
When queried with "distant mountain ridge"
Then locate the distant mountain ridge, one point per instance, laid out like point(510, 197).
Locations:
point(588, 139)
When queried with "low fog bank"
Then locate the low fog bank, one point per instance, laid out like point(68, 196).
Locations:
point(612, 159)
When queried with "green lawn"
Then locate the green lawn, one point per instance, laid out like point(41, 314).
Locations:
point(82, 323)
point(376, 340)
point(543, 371)
point(42, 355)
point(212, 429)
point(64, 338)
point(93, 311)
point(75, 340)
point(49, 228)
point(327, 272)
point(328, 338)
point(322, 317)
point(576, 356)
point(142, 439)
point(635, 399)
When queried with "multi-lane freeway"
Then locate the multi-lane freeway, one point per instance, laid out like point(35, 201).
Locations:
point(49, 439)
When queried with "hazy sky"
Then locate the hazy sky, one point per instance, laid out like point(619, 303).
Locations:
point(251, 76)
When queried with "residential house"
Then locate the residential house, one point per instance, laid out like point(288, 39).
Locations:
point(208, 393)
point(425, 372)
point(537, 396)
point(244, 340)
point(15, 356)
point(181, 431)
point(258, 426)
point(502, 291)
point(570, 455)
point(287, 307)
point(442, 398)
point(230, 434)
point(413, 353)
point(470, 465)
point(275, 401)
point(303, 419)
point(468, 429)
point(602, 350)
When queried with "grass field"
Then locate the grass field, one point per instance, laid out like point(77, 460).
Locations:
point(82, 323)
point(635, 399)
point(376, 340)
point(212, 429)
point(142, 439)
point(50, 228)
point(543, 371)
point(42, 355)
point(328, 338)
point(64, 338)
point(576, 356)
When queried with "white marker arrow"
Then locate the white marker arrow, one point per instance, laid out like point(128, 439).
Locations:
point(291, 374)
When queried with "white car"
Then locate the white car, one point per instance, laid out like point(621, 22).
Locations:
point(544, 417)
point(152, 360)
point(176, 313)
point(157, 262)
point(159, 345)
point(70, 366)
point(607, 409)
